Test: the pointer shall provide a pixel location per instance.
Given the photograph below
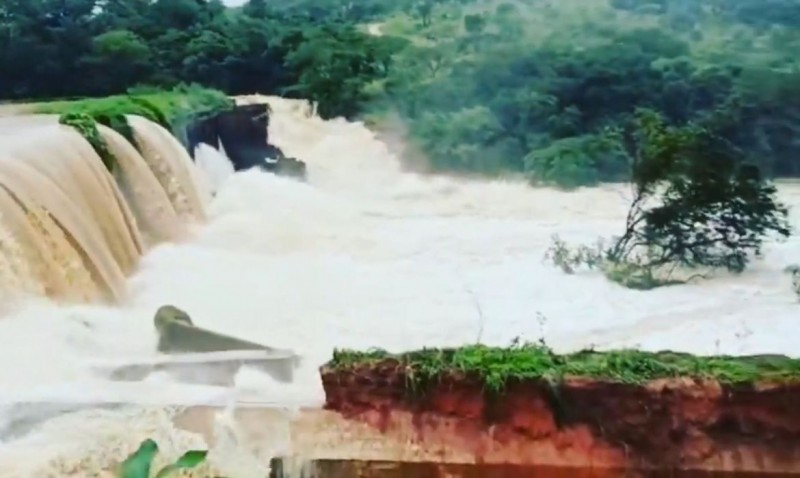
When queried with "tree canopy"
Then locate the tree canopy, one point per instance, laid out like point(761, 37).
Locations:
point(529, 87)
point(695, 102)
point(697, 203)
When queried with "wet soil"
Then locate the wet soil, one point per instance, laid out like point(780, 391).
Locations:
point(668, 425)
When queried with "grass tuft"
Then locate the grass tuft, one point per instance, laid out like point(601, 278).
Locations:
point(87, 127)
point(497, 366)
point(171, 109)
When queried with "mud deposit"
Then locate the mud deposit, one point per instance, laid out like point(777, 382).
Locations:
point(363, 469)
point(665, 425)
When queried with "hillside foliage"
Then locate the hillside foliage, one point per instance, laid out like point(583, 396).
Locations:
point(697, 204)
point(526, 87)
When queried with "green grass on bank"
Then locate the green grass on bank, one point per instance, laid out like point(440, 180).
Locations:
point(497, 366)
point(169, 108)
point(172, 109)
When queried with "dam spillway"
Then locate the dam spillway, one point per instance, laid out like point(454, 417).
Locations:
point(76, 229)
point(80, 229)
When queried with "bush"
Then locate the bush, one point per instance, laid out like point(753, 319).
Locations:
point(696, 204)
point(577, 161)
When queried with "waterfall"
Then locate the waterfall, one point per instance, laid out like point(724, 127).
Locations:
point(142, 190)
point(215, 164)
point(172, 166)
point(72, 230)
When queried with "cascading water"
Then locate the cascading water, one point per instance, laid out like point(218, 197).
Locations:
point(142, 189)
point(54, 182)
point(171, 165)
point(82, 234)
point(215, 164)
point(365, 255)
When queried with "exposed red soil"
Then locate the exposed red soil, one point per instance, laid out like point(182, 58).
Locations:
point(667, 425)
point(367, 469)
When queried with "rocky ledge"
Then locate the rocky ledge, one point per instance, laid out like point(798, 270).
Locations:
point(242, 131)
point(624, 410)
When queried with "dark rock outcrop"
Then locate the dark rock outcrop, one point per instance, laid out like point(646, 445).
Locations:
point(178, 335)
point(242, 132)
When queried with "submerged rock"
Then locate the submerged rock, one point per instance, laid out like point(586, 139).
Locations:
point(197, 355)
point(242, 133)
point(178, 334)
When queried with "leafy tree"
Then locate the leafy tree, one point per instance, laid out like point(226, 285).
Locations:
point(335, 66)
point(696, 204)
point(121, 58)
point(384, 48)
point(256, 9)
point(549, 77)
point(713, 210)
point(577, 161)
point(508, 18)
point(425, 11)
point(443, 137)
point(474, 24)
point(175, 14)
point(207, 57)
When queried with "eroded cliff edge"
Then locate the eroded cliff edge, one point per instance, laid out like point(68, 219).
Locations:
point(616, 410)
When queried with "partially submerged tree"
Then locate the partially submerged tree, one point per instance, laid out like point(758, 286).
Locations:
point(696, 203)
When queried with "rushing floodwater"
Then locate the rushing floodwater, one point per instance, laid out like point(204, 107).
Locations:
point(368, 256)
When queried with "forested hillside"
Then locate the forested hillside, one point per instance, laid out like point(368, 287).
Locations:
point(538, 87)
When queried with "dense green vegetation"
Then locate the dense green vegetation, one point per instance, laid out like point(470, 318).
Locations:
point(496, 366)
point(534, 87)
point(171, 109)
point(87, 127)
point(538, 86)
point(697, 203)
point(103, 47)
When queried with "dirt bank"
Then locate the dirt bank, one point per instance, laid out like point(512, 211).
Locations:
point(666, 424)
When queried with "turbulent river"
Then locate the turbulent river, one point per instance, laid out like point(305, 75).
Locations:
point(364, 255)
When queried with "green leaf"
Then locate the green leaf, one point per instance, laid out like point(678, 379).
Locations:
point(138, 464)
point(190, 459)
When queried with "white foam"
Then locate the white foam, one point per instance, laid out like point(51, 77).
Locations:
point(216, 166)
point(368, 256)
